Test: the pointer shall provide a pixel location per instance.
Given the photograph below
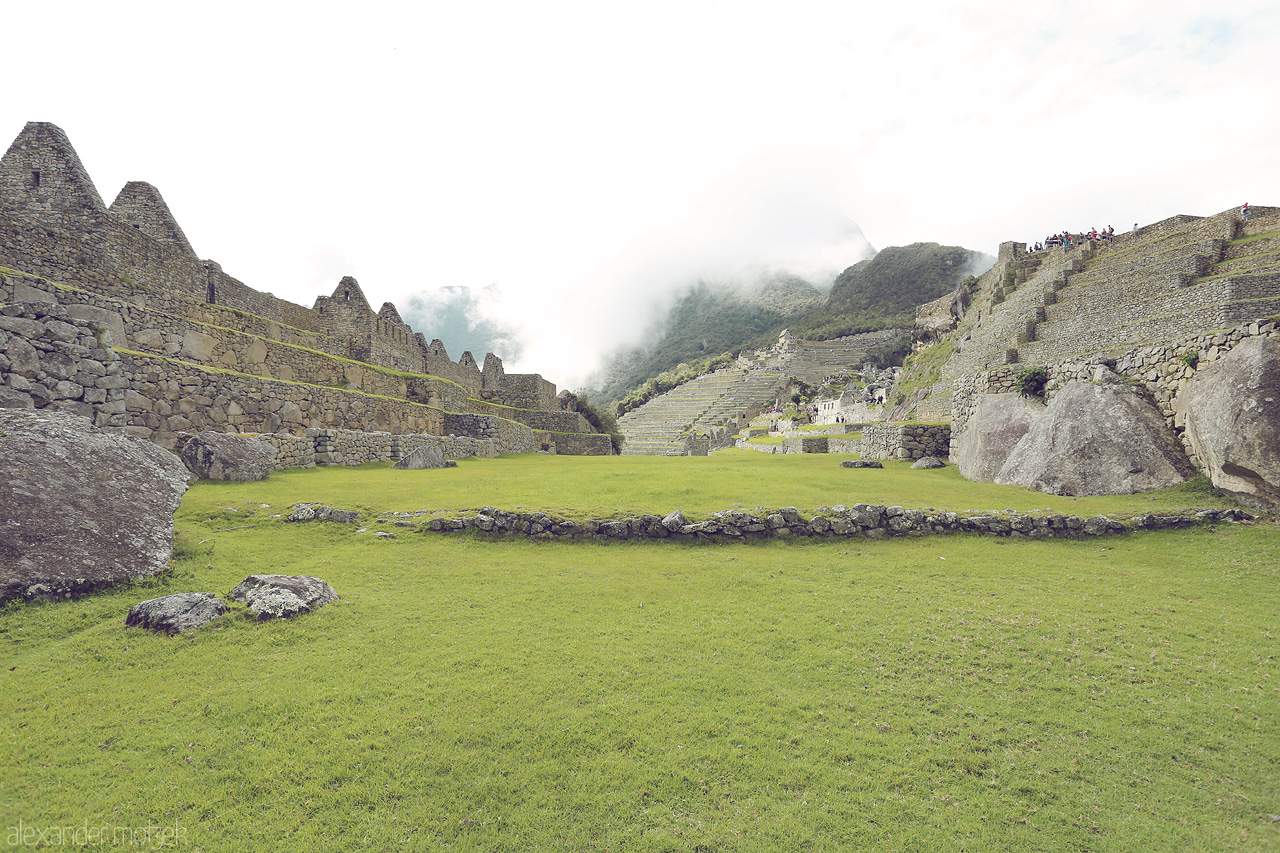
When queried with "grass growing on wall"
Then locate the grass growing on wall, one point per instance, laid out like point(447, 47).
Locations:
point(473, 694)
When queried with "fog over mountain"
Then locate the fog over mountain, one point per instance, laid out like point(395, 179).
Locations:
point(463, 319)
point(746, 241)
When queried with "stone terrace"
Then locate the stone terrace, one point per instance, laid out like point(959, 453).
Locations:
point(813, 361)
point(200, 350)
point(1174, 278)
point(711, 403)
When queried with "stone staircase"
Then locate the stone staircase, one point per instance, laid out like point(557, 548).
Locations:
point(1175, 277)
point(713, 406)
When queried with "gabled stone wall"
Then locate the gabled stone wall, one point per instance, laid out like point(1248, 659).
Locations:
point(200, 349)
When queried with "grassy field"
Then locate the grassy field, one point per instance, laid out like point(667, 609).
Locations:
point(583, 487)
point(944, 693)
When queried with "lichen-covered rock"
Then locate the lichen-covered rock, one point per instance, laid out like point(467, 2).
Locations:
point(861, 463)
point(998, 423)
point(176, 613)
point(674, 520)
point(929, 462)
point(81, 509)
point(318, 512)
point(427, 456)
point(220, 456)
point(1232, 416)
point(281, 596)
point(1097, 440)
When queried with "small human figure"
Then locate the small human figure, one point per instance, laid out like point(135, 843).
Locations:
point(1244, 211)
point(1135, 229)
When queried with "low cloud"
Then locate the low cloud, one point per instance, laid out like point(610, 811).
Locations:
point(466, 320)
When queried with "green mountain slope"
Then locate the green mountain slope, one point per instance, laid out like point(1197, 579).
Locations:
point(710, 319)
point(883, 292)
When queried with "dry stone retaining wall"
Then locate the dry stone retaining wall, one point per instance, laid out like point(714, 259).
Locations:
point(573, 443)
point(131, 269)
point(905, 441)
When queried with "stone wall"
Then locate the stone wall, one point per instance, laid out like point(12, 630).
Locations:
point(558, 421)
point(859, 520)
point(905, 441)
point(507, 436)
point(523, 391)
point(573, 443)
point(201, 350)
point(347, 447)
point(50, 359)
point(215, 342)
point(844, 445)
point(53, 224)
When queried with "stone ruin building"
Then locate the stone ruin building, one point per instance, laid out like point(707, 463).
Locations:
point(107, 311)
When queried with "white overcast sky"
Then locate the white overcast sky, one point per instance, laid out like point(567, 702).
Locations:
point(584, 160)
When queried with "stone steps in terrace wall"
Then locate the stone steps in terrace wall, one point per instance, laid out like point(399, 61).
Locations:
point(701, 405)
point(1167, 282)
point(1000, 327)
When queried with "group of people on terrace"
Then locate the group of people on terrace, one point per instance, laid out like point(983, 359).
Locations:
point(1069, 239)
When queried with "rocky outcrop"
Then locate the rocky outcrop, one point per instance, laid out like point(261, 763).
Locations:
point(81, 508)
point(1232, 418)
point(221, 456)
point(1097, 440)
point(424, 457)
point(929, 462)
point(281, 596)
point(997, 424)
point(176, 613)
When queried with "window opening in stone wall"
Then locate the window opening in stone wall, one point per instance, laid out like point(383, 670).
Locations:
point(35, 178)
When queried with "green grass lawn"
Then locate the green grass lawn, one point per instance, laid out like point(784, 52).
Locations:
point(582, 487)
point(943, 693)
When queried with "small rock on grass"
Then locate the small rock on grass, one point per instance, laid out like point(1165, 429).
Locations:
point(176, 613)
point(281, 596)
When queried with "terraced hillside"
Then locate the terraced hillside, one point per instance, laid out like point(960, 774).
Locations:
point(813, 361)
point(1175, 277)
point(710, 406)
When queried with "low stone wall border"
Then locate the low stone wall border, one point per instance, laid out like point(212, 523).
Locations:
point(859, 520)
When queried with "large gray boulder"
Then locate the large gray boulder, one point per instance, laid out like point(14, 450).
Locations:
point(281, 596)
point(1097, 440)
point(997, 424)
point(427, 456)
point(176, 613)
point(80, 508)
point(220, 456)
point(1231, 410)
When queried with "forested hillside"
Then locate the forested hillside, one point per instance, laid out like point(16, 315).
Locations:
point(883, 292)
point(708, 320)
point(711, 319)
